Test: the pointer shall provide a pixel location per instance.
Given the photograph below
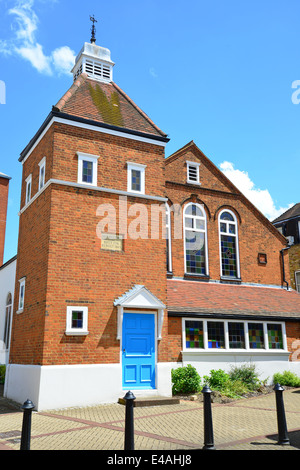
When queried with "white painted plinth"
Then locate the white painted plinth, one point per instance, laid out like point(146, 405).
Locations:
point(55, 387)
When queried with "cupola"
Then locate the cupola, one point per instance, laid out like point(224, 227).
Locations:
point(94, 60)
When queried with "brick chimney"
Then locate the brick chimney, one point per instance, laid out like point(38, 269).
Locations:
point(4, 184)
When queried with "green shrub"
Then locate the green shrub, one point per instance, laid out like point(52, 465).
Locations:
point(246, 374)
point(287, 378)
point(234, 389)
point(217, 379)
point(2, 373)
point(185, 380)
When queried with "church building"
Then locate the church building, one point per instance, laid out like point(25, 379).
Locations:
point(130, 263)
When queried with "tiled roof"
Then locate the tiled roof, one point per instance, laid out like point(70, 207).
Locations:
point(290, 213)
point(192, 297)
point(105, 103)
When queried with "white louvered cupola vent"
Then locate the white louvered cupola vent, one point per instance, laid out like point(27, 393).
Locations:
point(97, 70)
point(95, 62)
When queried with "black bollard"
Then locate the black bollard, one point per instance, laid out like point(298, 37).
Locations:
point(208, 424)
point(283, 438)
point(129, 425)
point(26, 426)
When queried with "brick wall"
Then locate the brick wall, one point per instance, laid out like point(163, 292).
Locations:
point(4, 184)
point(60, 251)
point(114, 153)
point(256, 234)
point(294, 256)
point(175, 339)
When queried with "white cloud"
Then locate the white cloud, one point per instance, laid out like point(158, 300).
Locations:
point(260, 198)
point(63, 59)
point(24, 43)
point(34, 53)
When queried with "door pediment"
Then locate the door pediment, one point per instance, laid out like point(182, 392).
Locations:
point(139, 297)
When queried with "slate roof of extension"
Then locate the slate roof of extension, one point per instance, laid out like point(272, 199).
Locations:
point(105, 103)
point(191, 297)
point(289, 214)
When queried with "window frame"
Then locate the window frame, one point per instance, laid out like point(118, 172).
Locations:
point(297, 284)
point(137, 167)
point(76, 331)
point(22, 284)
point(236, 235)
point(227, 349)
point(87, 157)
point(197, 230)
point(8, 320)
point(28, 186)
point(197, 166)
point(42, 177)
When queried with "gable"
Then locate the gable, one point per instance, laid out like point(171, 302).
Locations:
point(210, 176)
point(211, 180)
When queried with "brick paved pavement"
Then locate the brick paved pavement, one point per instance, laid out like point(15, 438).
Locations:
point(247, 424)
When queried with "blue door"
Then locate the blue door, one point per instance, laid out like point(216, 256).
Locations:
point(138, 354)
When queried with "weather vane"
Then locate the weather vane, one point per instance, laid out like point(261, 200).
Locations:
point(93, 29)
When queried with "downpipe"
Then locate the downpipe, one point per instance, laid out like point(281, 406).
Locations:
point(283, 269)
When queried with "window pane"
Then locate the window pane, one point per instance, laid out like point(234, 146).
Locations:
point(236, 335)
point(228, 254)
point(87, 172)
point(227, 216)
point(231, 228)
point(256, 336)
point(200, 224)
point(275, 338)
point(216, 338)
point(223, 227)
point(194, 334)
point(21, 302)
point(297, 277)
point(192, 209)
point(195, 252)
point(189, 222)
point(135, 180)
point(77, 319)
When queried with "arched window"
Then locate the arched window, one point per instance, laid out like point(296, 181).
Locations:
point(168, 237)
point(229, 247)
point(195, 240)
point(8, 311)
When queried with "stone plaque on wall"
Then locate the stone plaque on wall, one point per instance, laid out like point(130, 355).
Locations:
point(111, 242)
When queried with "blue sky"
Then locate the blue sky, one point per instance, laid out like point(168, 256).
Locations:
point(218, 72)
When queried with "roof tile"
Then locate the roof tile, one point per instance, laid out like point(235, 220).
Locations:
point(227, 299)
point(105, 103)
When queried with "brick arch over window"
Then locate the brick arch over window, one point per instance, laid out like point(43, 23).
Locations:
point(230, 208)
point(193, 198)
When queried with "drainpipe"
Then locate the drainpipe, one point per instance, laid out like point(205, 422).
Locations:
point(283, 270)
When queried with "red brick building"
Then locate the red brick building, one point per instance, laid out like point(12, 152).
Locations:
point(104, 303)
point(4, 186)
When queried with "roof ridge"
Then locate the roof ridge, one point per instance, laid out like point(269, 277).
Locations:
point(174, 154)
point(290, 209)
point(71, 91)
